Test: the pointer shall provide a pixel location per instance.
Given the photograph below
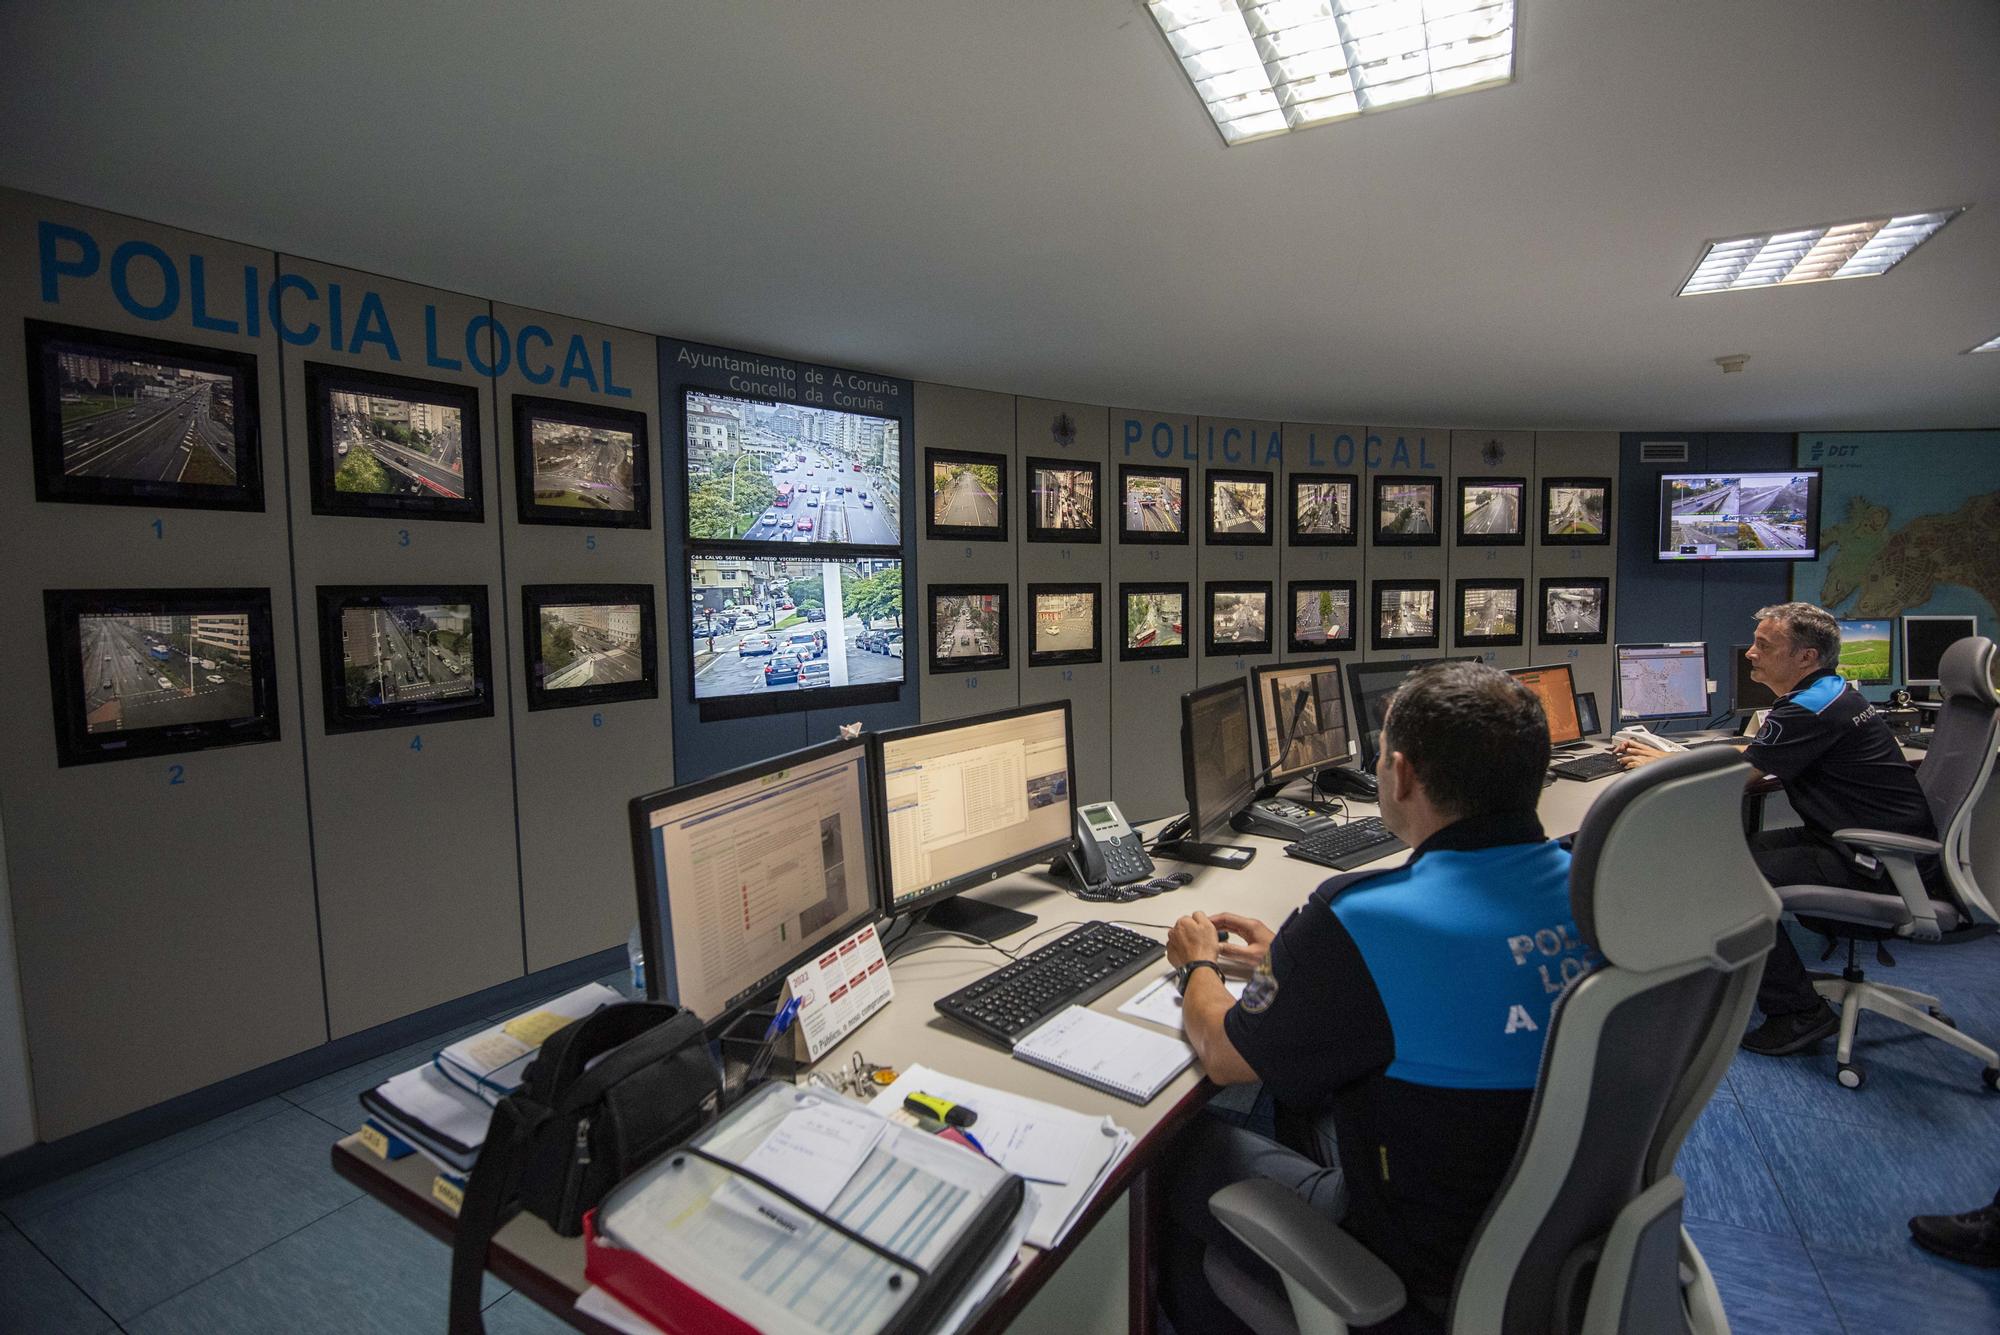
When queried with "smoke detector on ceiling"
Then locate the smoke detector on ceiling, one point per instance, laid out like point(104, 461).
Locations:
point(1733, 363)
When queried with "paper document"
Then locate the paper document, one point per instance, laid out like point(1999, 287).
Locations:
point(1036, 1140)
point(490, 1063)
point(812, 1153)
point(1161, 1003)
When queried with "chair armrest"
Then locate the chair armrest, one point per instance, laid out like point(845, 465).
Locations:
point(1310, 1251)
point(1882, 841)
point(1899, 854)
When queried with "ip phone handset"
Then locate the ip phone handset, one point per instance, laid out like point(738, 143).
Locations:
point(1108, 851)
point(1638, 734)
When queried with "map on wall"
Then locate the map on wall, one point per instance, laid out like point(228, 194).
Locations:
point(1907, 524)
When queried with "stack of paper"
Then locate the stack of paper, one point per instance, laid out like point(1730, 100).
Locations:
point(1064, 1155)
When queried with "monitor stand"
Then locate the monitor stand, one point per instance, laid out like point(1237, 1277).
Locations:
point(971, 917)
point(1206, 855)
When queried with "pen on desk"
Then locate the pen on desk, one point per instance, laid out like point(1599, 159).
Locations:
point(761, 1063)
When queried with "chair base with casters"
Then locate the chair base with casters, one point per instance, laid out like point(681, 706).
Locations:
point(1850, 992)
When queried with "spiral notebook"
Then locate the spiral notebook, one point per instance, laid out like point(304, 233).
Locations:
point(1106, 1053)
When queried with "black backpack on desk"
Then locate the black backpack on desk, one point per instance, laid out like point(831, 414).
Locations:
point(568, 1135)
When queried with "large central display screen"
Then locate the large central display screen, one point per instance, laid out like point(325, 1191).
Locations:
point(1740, 516)
point(766, 628)
point(764, 472)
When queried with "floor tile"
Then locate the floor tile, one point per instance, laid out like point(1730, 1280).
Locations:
point(1726, 1179)
point(361, 1268)
point(141, 1240)
point(1913, 1083)
point(1914, 1293)
point(1768, 1284)
point(35, 1296)
point(518, 1314)
point(25, 1205)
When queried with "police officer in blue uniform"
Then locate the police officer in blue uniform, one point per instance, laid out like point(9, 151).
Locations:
point(1395, 1021)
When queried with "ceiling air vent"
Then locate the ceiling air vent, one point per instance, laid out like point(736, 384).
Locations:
point(1663, 451)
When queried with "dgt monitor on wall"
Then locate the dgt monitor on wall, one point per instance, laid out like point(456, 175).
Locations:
point(1739, 516)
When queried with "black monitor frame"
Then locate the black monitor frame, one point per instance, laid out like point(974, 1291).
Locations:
point(995, 661)
point(340, 717)
point(531, 408)
point(1366, 734)
point(1093, 652)
point(1435, 485)
point(1343, 644)
point(1214, 648)
point(1514, 586)
point(1258, 675)
point(1568, 669)
point(1618, 682)
point(1601, 586)
point(1376, 590)
point(1198, 832)
point(1601, 485)
point(936, 529)
point(1910, 659)
point(1212, 532)
point(1126, 533)
point(755, 704)
point(1295, 530)
point(1034, 531)
point(1128, 652)
point(324, 380)
point(1515, 537)
point(1586, 713)
point(652, 929)
point(45, 423)
point(63, 610)
point(1741, 685)
point(1663, 519)
point(535, 597)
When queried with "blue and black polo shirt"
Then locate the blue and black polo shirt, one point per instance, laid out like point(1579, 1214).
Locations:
point(1410, 1005)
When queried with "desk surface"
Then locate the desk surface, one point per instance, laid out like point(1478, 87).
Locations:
point(549, 1269)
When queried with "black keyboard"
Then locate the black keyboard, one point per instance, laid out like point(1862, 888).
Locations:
point(1918, 741)
point(1345, 847)
point(1085, 962)
point(1600, 766)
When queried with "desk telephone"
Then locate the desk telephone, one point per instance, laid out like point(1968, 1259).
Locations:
point(1107, 850)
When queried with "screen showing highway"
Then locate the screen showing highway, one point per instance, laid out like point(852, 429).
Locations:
point(1574, 511)
point(1491, 509)
point(1064, 499)
point(590, 644)
point(1406, 509)
point(785, 472)
point(392, 445)
point(1325, 509)
point(581, 466)
point(1490, 612)
point(1241, 617)
point(1154, 620)
point(1405, 614)
point(1741, 516)
point(1239, 507)
point(1153, 502)
point(1322, 616)
point(163, 671)
point(964, 494)
point(966, 625)
point(1572, 609)
point(1066, 622)
point(765, 624)
point(407, 653)
point(144, 418)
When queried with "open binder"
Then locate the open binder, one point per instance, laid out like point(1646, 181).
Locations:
point(913, 1241)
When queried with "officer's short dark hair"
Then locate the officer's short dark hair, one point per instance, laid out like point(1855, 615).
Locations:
point(1477, 738)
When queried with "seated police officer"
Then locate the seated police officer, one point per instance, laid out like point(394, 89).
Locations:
point(1396, 1019)
point(1841, 767)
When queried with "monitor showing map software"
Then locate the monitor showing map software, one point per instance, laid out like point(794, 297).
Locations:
point(1662, 681)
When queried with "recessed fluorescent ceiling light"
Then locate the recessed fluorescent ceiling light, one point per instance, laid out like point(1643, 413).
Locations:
point(1990, 345)
point(1264, 67)
point(1813, 254)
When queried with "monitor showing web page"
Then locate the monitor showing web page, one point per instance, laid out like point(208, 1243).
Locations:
point(969, 801)
point(745, 876)
point(1662, 681)
point(1303, 702)
point(1557, 691)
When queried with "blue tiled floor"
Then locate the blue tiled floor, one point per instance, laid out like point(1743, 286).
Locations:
point(1797, 1194)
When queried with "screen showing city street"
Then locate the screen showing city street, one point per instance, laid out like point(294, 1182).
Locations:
point(1239, 508)
point(1154, 620)
point(397, 653)
point(144, 418)
point(1491, 509)
point(966, 625)
point(1153, 503)
point(764, 624)
point(964, 494)
point(1240, 617)
point(1322, 616)
point(1064, 498)
point(1490, 613)
point(1575, 511)
point(388, 445)
point(1065, 622)
point(590, 644)
point(1757, 514)
point(784, 472)
point(1406, 614)
point(160, 671)
point(582, 467)
point(1573, 609)
point(1326, 509)
point(1407, 509)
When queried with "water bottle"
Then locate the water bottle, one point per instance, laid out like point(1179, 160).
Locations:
point(635, 954)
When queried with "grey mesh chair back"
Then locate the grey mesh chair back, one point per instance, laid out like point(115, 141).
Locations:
point(1960, 760)
point(1585, 1232)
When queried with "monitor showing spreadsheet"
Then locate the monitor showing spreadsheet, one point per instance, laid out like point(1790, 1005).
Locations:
point(1662, 681)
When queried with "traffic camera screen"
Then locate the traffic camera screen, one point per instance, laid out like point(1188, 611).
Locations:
point(766, 629)
point(580, 464)
point(766, 472)
point(389, 445)
point(1740, 516)
point(588, 643)
point(404, 655)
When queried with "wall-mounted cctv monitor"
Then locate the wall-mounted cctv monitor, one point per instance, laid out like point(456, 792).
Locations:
point(152, 672)
point(1406, 614)
point(1576, 511)
point(1062, 500)
point(1068, 624)
point(588, 644)
point(1406, 511)
point(391, 446)
point(1575, 611)
point(1865, 651)
point(1489, 612)
point(577, 463)
point(776, 634)
point(762, 472)
point(1239, 618)
point(1492, 511)
point(1152, 621)
point(1323, 506)
point(967, 496)
point(1322, 616)
point(115, 419)
point(1238, 508)
point(1925, 638)
point(1152, 504)
point(1739, 516)
point(968, 627)
point(397, 656)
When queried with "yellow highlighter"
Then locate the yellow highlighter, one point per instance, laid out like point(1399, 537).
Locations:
point(930, 1105)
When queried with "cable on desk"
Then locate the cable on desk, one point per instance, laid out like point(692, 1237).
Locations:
point(946, 931)
point(953, 945)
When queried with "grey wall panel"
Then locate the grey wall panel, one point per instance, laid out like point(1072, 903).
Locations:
point(151, 916)
point(1145, 695)
point(1579, 454)
point(1477, 454)
point(1044, 429)
point(1230, 445)
point(974, 420)
point(575, 767)
point(1399, 451)
point(419, 877)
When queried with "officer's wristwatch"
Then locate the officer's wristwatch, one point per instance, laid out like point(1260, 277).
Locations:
point(1183, 974)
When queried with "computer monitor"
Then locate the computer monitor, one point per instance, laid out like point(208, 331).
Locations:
point(966, 802)
point(1746, 694)
point(1369, 686)
point(1301, 718)
point(1662, 681)
point(1864, 650)
point(1925, 638)
point(1218, 768)
point(1556, 688)
point(745, 876)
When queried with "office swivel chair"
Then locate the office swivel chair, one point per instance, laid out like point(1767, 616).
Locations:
point(1953, 776)
point(1584, 1234)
